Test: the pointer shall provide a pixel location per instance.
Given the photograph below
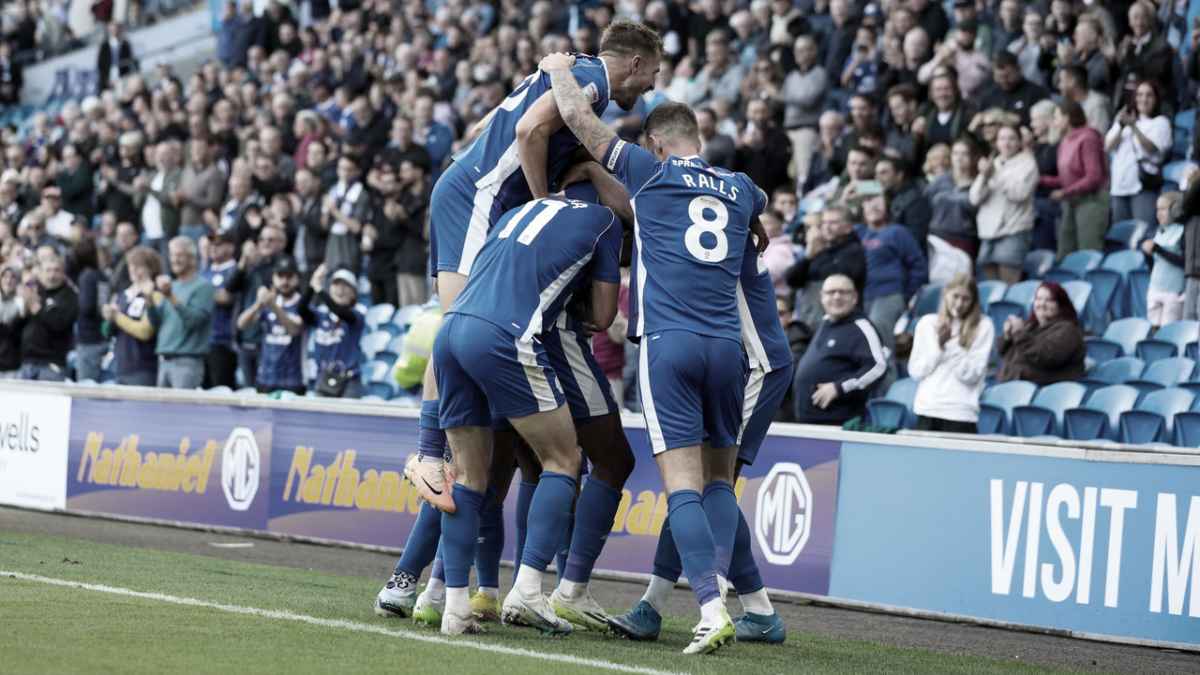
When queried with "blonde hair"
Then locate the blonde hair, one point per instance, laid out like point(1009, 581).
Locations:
point(970, 322)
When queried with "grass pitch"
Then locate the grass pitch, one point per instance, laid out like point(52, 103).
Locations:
point(55, 628)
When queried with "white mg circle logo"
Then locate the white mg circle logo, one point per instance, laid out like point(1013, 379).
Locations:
point(783, 517)
point(240, 468)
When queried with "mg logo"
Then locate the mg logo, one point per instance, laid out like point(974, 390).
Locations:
point(240, 467)
point(783, 517)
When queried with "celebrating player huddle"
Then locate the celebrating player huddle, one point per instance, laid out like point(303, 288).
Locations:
point(524, 276)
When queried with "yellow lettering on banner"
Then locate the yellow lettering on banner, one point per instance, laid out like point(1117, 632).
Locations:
point(169, 477)
point(147, 478)
point(130, 462)
point(331, 476)
point(301, 458)
point(366, 497)
point(622, 511)
point(642, 514)
point(310, 493)
point(348, 485)
point(126, 466)
point(90, 458)
point(392, 493)
point(205, 470)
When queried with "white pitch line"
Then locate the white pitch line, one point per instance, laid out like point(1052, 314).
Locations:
point(339, 623)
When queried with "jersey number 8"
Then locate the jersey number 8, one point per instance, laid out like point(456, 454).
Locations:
point(697, 211)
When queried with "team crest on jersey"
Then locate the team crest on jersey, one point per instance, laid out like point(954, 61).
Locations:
point(592, 92)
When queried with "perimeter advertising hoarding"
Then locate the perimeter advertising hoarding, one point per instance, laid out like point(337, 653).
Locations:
point(1106, 548)
point(203, 464)
point(33, 449)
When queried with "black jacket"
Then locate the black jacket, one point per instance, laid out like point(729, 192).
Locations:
point(848, 353)
point(126, 64)
point(46, 336)
point(845, 257)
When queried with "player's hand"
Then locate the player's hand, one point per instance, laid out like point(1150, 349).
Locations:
point(760, 236)
point(825, 394)
point(557, 61)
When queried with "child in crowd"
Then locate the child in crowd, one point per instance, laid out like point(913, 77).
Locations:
point(1164, 299)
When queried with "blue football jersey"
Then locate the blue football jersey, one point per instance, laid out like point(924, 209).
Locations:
point(762, 335)
point(336, 341)
point(492, 158)
point(221, 276)
point(536, 257)
point(279, 363)
point(691, 225)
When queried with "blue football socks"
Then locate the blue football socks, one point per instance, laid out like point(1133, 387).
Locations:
point(594, 514)
point(460, 533)
point(552, 502)
point(694, 540)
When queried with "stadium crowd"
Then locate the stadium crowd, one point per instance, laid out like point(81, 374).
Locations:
point(200, 231)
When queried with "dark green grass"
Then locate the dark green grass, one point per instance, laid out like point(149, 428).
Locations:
point(50, 629)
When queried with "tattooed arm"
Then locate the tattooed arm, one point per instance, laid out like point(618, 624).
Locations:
point(575, 108)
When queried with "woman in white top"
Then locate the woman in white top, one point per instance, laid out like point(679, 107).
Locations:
point(949, 360)
point(1136, 140)
point(1003, 196)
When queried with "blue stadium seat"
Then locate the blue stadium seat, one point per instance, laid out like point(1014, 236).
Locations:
point(379, 315)
point(1164, 373)
point(1037, 263)
point(991, 291)
point(1153, 421)
point(1118, 371)
point(1123, 263)
point(997, 403)
point(378, 391)
point(378, 371)
point(1139, 284)
point(396, 345)
point(1000, 310)
point(404, 316)
point(1187, 429)
point(1124, 235)
point(1075, 265)
point(1170, 340)
point(1099, 417)
point(1174, 171)
point(1022, 293)
point(1079, 292)
point(386, 357)
point(929, 299)
point(1120, 339)
point(895, 409)
point(1183, 128)
point(373, 343)
point(1106, 284)
point(1044, 415)
point(391, 329)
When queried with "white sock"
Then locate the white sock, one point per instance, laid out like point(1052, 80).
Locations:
point(757, 602)
point(489, 591)
point(657, 593)
point(436, 588)
point(458, 601)
point(711, 611)
point(528, 581)
point(572, 590)
point(722, 586)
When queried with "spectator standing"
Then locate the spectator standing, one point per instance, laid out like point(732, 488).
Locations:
point(1010, 90)
point(51, 307)
point(1048, 346)
point(57, 220)
point(220, 365)
point(90, 342)
point(1164, 298)
point(1081, 184)
point(1144, 55)
point(896, 267)
point(948, 116)
point(338, 321)
point(780, 256)
point(201, 188)
point(128, 317)
point(115, 58)
point(1072, 84)
point(118, 177)
point(1138, 143)
point(763, 150)
point(949, 195)
point(1003, 194)
point(155, 195)
point(1187, 211)
point(721, 77)
point(277, 311)
point(255, 269)
point(716, 148)
point(909, 206)
point(347, 206)
point(949, 360)
point(182, 310)
point(413, 255)
point(11, 76)
point(75, 183)
point(843, 362)
point(804, 91)
point(11, 311)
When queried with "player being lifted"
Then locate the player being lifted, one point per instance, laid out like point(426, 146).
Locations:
point(522, 142)
point(691, 226)
point(517, 146)
point(491, 365)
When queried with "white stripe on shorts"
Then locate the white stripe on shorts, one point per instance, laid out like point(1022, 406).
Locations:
point(538, 384)
point(584, 377)
point(653, 428)
point(477, 229)
point(754, 387)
